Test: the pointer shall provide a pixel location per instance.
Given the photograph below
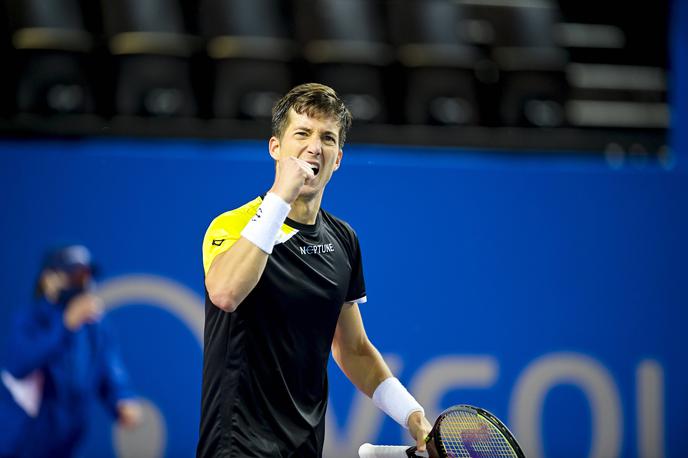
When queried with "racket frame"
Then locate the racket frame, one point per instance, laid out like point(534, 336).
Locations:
point(436, 439)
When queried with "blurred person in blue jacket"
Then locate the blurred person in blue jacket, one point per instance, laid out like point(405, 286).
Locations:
point(60, 358)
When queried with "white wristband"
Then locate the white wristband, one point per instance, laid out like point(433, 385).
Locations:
point(264, 227)
point(393, 399)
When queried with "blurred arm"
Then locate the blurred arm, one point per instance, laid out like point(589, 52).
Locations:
point(35, 338)
point(115, 387)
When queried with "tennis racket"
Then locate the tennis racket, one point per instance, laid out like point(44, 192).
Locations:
point(461, 431)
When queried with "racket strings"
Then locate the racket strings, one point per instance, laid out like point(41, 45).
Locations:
point(466, 434)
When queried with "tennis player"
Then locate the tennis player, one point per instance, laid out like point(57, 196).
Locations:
point(284, 281)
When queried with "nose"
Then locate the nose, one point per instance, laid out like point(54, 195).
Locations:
point(314, 146)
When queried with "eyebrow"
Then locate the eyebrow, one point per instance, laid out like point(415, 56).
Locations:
point(309, 130)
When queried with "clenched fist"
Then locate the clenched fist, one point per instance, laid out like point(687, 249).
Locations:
point(291, 176)
point(82, 309)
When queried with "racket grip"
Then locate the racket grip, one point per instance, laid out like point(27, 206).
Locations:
point(382, 451)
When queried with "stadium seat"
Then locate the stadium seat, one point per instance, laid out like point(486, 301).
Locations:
point(152, 53)
point(52, 46)
point(520, 39)
point(438, 64)
point(250, 49)
point(345, 46)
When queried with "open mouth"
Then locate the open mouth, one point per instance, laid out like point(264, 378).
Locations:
point(315, 168)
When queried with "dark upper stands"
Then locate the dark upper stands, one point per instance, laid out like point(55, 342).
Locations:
point(452, 63)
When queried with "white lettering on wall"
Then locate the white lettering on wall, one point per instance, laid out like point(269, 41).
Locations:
point(650, 401)
point(545, 373)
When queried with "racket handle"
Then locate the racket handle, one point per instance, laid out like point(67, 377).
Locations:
point(384, 451)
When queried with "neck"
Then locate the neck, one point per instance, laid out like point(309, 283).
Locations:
point(304, 210)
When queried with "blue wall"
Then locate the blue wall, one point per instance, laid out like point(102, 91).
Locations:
point(547, 290)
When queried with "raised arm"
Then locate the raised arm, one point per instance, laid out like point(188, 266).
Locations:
point(234, 273)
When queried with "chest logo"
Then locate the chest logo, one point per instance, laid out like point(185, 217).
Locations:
point(317, 249)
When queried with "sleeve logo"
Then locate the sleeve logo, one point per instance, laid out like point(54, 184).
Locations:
point(218, 242)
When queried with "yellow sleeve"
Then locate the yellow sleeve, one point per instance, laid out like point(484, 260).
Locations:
point(225, 230)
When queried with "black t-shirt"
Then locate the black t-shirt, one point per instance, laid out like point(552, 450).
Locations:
point(265, 365)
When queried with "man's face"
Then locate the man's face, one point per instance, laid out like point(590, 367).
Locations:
point(59, 286)
point(78, 281)
point(314, 140)
point(80, 278)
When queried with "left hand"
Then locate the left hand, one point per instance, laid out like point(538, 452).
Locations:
point(129, 413)
point(419, 427)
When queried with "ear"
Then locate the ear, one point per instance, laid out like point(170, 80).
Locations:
point(338, 162)
point(274, 148)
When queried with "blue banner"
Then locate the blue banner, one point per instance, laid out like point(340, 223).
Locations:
point(550, 291)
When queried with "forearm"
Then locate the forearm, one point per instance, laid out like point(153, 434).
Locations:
point(234, 274)
point(364, 366)
point(115, 383)
point(366, 369)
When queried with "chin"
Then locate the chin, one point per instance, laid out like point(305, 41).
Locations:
point(309, 192)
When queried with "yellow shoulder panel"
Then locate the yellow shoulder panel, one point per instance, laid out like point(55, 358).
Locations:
point(226, 229)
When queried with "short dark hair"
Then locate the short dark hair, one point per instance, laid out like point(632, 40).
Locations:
point(315, 100)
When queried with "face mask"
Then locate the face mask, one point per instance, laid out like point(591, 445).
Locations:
point(79, 282)
point(68, 294)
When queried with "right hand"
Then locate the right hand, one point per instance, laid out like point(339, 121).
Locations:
point(420, 428)
point(291, 175)
point(129, 413)
point(84, 308)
